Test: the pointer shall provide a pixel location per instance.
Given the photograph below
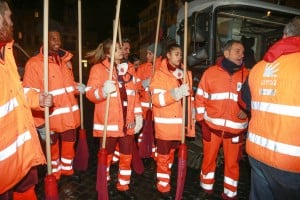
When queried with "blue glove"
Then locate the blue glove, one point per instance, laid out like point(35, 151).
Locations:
point(146, 83)
point(81, 88)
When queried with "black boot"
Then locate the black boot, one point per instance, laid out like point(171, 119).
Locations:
point(127, 195)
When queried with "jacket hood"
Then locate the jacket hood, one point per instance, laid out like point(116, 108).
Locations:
point(283, 47)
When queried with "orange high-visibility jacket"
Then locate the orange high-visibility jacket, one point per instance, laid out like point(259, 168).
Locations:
point(273, 133)
point(216, 99)
point(144, 72)
point(20, 148)
point(167, 111)
point(65, 114)
point(98, 75)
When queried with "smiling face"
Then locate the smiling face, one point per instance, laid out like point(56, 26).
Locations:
point(6, 25)
point(235, 53)
point(175, 57)
point(54, 41)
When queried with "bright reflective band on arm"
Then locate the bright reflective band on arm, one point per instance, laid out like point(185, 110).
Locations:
point(61, 91)
point(8, 107)
point(11, 149)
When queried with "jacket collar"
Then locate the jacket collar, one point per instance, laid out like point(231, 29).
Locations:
point(283, 47)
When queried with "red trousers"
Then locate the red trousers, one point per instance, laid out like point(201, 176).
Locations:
point(125, 147)
point(232, 148)
point(164, 162)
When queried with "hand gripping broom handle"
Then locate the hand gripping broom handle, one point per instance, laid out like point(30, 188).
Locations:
point(184, 70)
point(46, 113)
point(111, 68)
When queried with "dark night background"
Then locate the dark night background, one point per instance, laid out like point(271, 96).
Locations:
point(97, 15)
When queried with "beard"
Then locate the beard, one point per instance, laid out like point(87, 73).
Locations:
point(6, 33)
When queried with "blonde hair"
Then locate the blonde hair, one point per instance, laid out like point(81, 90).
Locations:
point(99, 54)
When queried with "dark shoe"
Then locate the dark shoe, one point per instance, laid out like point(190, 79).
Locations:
point(127, 195)
point(69, 190)
point(149, 163)
point(225, 197)
point(166, 196)
point(111, 187)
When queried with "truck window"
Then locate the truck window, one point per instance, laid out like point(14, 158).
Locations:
point(257, 28)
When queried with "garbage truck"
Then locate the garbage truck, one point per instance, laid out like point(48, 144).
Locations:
point(211, 23)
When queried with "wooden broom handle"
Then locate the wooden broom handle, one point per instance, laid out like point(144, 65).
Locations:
point(80, 62)
point(184, 70)
point(156, 35)
point(46, 65)
point(112, 60)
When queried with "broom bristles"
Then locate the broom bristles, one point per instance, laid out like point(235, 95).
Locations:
point(101, 184)
point(82, 152)
point(51, 191)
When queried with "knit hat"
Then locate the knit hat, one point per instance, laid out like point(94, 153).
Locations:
point(158, 50)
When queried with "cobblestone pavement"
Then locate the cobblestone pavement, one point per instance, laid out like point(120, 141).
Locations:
point(83, 185)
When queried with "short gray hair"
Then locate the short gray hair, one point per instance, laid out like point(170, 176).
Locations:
point(229, 43)
point(293, 27)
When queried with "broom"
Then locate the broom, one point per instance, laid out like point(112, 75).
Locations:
point(82, 151)
point(51, 191)
point(148, 137)
point(101, 184)
point(182, 151)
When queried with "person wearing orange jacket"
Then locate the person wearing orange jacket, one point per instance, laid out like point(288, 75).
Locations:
point(167, 91)
point(20, 149)
point(222, 121)
point(144, 72)
point(124, 114)
point(131, 69)
point(65, 114)
point(273, 142)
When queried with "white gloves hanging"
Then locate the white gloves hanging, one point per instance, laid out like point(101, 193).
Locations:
point(180, 92)
point(138, 123)
point(109, 87)
point(146, 83)
point(81, 88)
